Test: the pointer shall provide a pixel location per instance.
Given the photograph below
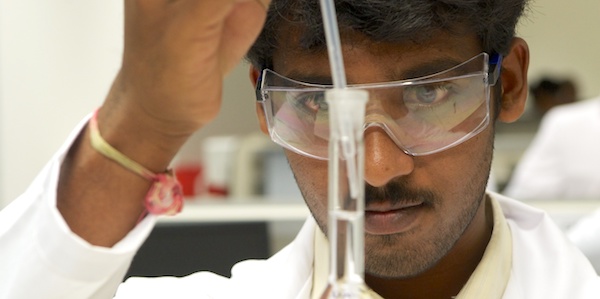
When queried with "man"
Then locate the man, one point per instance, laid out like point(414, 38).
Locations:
point(431, 231)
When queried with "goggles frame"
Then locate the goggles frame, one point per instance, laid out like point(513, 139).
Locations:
point(491, 73)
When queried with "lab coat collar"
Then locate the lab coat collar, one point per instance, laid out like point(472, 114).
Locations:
point(299, 257)
point(305, 267)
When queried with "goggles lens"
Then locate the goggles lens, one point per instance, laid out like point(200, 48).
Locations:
point(422, 116)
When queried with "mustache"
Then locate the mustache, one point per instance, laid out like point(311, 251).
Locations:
point(397, 192)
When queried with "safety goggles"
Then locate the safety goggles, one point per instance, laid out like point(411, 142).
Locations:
point(422, 116)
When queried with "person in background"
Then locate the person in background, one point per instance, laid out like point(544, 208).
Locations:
point(561, 163)
point(439, 75)
point(549, 93)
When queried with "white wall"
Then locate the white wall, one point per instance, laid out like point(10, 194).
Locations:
point(564, 39)
point(57, 59)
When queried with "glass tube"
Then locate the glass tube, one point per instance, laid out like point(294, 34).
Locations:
point(346, 195)
point(346, 172)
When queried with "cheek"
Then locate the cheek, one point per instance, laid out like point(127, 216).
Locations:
point(471, 172)
point(460, 174)
point(311, 177)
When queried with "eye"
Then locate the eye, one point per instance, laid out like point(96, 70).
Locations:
point(427, 94)
point(313, 101)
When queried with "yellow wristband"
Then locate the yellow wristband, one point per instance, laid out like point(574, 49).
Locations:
point(164, 197)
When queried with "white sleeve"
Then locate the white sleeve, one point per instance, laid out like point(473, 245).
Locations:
point(585, 234)
point(41, 258)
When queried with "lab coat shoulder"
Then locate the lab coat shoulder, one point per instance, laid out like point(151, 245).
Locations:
point(287, 274)
point(544, 264)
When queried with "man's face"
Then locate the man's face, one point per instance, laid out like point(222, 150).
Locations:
point(417, 208)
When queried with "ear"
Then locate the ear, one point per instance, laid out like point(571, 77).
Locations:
point(514, 81)
point(260, 112)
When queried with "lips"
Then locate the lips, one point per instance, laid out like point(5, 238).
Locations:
point(382, 219)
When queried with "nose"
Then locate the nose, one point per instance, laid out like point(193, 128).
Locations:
point(384, 160)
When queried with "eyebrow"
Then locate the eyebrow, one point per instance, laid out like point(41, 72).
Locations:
point(310, 78)
point(429, 68)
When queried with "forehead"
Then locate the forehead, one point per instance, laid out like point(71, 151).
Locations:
point(368, 61)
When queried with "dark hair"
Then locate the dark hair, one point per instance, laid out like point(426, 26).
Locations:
point(494, 21)
point(548, 85)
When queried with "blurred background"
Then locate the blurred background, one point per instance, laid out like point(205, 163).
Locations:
point(58, 59)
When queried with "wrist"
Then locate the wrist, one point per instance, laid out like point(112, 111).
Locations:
point(147, 140)
point(165, 195)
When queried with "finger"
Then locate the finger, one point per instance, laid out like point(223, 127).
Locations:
point(240, 31)
point(264, 3)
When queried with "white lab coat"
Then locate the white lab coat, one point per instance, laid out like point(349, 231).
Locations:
point(563, 160)
point(586, 236)
point(41, 258)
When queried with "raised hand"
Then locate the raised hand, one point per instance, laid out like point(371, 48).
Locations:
point(176, 55)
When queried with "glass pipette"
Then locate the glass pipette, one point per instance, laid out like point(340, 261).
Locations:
point(345, 172)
